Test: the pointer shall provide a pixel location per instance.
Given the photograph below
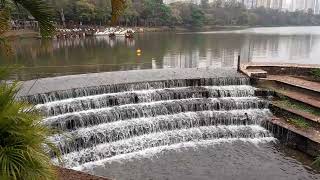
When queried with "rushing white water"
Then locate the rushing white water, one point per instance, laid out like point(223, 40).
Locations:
point(138, 143)
point(100, 124)
point(121, 98)
point(80, 92)
point(104, 115)
point(110, 132)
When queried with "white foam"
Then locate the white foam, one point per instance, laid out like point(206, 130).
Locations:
point(151, 152)
point(182, 120)
point(234, 99)
point(162, 138)
point(234, 91)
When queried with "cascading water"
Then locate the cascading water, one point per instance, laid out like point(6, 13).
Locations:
point(98, 123)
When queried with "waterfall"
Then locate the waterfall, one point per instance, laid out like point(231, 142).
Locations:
point(113, 88)
point(106, 150)
point(103, 122)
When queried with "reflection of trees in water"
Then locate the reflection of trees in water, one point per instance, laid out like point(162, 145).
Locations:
point(158, 50)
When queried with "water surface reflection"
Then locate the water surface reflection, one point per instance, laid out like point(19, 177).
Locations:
point(165, 50)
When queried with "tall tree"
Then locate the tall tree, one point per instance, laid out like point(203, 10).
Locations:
point(39, 9)
point(118, 6)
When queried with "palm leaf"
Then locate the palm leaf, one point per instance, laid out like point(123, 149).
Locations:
point(118, 7)
point(4, 21)
point(4, 27)
point(42, 12)
point(23, 136)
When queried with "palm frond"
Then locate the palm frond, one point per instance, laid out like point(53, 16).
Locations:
point(4, 21)
point(23, 137)
point(4, 27)
point(118, 7)
point(42, 12)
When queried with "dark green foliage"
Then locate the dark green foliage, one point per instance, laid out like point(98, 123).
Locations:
point(300, 122)
point(316, 73)
point(39, 9)
point(155, 13)
point(317, 162)
point(23, 138)
point(299, 106)
point(197, 17)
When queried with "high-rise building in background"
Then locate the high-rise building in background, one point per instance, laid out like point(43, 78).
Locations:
point(285, 5)
point(316, 7)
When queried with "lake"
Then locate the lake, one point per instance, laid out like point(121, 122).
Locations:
point(42, 58)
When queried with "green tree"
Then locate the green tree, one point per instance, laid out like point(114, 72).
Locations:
point(85, 10)
point(39, 9)
point(155, 12)
point(197, 17)
point(130, 15)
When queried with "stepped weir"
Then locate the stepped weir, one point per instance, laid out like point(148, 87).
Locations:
point(126, 116)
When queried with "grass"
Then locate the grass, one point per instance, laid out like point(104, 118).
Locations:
point(300, 122)
point(316, 163)
point(299, 106)
point(316, 73)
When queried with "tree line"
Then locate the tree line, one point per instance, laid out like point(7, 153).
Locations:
point(153, 13)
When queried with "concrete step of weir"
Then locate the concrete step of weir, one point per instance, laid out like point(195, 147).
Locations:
point(306, 140)
point(255, 73)
point(311, 133)
point(301, 97)
point(300, 113)
point(282, 68)
point(296, 82)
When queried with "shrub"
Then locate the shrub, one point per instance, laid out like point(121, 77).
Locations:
point(317, 162)
point(22, 138)
point(316, 73)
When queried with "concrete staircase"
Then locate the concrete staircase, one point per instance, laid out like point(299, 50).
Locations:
point(296, 105)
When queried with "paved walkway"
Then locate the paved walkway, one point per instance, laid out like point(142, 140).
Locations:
point(310, 85)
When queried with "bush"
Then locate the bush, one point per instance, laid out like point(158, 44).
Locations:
point(317, 162)
point(22, 138)
point(316, 73)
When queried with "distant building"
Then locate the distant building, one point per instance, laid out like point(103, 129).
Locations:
point(285, 5)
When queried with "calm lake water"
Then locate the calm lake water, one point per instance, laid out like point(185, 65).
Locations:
point(166, 50)
point(225, 161)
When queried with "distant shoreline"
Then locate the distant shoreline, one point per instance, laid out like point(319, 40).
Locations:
point(21, 34)
point(17, 34)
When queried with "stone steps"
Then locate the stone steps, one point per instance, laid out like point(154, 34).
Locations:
point(300, 113)
point(304, 139)
point(255, 73)
point(299, 125)
point(301, 97)
point(296, 82)
point(311, 133)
